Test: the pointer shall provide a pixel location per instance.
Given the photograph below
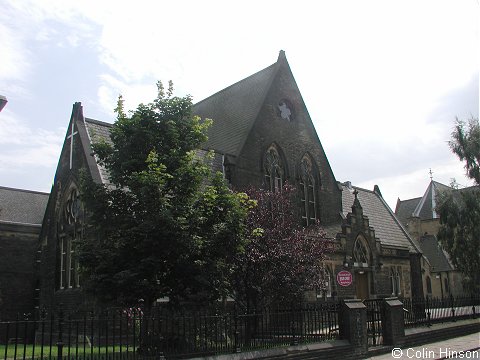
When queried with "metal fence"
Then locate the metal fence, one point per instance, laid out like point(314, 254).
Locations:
point(375, 316)
point(429, 310)
point(132, 333)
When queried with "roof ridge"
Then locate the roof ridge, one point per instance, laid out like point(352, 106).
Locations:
point(357, 187)
point(415, 198)
point(24, 190)
point(98, 122)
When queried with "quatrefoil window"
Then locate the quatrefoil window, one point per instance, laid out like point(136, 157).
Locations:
point(285, 110)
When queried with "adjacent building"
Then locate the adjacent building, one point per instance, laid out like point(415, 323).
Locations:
point(418, 216)
point(21, 215)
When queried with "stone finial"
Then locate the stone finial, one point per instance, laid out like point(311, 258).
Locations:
point(357, 207)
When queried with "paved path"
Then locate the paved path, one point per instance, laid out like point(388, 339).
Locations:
point(463, 347)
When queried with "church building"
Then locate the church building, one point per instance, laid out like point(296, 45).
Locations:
point(439, 277)
point(262, 135)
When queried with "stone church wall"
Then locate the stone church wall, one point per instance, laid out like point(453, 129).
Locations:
point(48, 271)
point(17, 259)
point(294, 139)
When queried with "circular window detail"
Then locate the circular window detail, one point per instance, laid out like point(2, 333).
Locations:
point(73, 207)
point(285, 110)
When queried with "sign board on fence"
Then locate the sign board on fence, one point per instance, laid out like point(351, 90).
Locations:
point(344, 278)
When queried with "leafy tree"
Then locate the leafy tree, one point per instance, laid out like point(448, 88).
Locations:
point(465, 144)
point(282, 260)
point(459, 210)
point(165, 226)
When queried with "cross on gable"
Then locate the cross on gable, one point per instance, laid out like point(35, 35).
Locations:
point(72, 134)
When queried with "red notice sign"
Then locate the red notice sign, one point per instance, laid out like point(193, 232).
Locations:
point(344, 278)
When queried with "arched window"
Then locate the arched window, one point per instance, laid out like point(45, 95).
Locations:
point(361, 253)
point(274, 170)
point(308, 191)
point(328, 290)
point(69, 230)
point(429, 285)
point(395, 283)
point(329, 282)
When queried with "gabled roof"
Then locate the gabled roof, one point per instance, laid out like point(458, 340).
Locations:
point(437, 257)
point(388, 228)
point(424, 207)
point(404, 209)
point(22, 206)
point(235, 109)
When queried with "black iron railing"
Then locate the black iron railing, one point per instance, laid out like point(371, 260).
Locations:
point(429, 310)
point(375, 316)
point(134, 333)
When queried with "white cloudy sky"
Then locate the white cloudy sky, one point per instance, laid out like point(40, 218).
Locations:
point(383, 80)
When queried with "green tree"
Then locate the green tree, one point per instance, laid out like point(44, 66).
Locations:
point(459, 210)
point(165, 226)
point(465, 144)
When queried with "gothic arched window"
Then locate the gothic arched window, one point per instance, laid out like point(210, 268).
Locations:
point(327, 291)
point(308, 191)
point(361, 253)
point(69, 230)
point(274, 170)
point(395, 281)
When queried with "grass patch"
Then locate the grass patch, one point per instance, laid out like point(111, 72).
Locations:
point(30, 351)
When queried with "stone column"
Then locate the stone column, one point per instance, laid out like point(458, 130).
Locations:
point(393, 323)
point(353, 325)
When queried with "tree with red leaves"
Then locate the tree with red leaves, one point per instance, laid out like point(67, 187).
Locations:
point(282, 259)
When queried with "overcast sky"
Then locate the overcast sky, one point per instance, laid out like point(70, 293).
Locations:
point(383, 81)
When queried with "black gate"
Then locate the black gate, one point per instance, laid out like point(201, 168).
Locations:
point(375, 313)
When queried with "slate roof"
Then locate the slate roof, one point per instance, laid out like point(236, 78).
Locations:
point(22, 206)
point(405, 209)
point(437, 257)
point(99, 131)
point(423, 207)
point(386, 225)
point(234, 110)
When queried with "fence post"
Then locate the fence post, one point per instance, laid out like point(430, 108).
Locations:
point(393, 323)
point(428, 312)
point(235, 330)
point(452, 300)
point(473, 307)
point(292, 327)
point(354, 325)
point(60, 334)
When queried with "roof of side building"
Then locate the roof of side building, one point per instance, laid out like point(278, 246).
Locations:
point(386, 225)
point(22, 206)
point(437, 257)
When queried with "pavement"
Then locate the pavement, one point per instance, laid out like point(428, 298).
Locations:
point(462, 347)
